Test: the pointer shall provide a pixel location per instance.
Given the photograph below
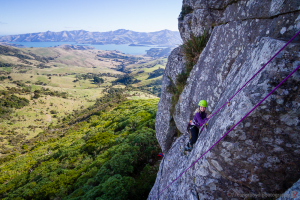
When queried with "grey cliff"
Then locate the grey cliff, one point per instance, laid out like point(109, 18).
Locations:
point(261, 155)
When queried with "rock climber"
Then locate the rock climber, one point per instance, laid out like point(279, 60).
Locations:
point(200, 118)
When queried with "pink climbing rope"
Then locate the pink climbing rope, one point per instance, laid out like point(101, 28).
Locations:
point(231, 129)
point(247, 113)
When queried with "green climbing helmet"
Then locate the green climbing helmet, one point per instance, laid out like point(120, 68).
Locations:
point(203, 103)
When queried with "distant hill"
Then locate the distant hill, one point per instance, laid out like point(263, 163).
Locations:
point(159, 52)
point(121, 36)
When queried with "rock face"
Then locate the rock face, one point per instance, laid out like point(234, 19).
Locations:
point(261, 155)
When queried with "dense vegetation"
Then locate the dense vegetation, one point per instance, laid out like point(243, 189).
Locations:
point(126, 80)
point(192, 49)
point(156, 73)
point(11, 101)
point(26, 89)
point(111, 156)
point(6, 64)
point(92, 75)
point(98, 80)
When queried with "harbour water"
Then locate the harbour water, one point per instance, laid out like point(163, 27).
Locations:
point(124, 48)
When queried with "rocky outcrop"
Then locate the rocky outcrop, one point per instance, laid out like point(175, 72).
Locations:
point(164, 125)
point(261, 155)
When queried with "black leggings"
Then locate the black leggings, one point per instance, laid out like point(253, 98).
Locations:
point(194, 133)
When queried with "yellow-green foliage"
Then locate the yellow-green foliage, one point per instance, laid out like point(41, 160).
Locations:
point(193, 47)
point(104, 158)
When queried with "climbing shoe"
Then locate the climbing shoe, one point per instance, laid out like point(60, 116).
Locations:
point(187, 149)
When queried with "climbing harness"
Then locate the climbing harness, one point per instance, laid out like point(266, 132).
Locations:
point(244, 116)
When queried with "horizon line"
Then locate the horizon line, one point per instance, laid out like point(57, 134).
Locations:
point(86, 31)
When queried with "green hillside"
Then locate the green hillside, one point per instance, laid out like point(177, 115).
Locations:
point(77, 124)
point(112, 155)
point(50, 84)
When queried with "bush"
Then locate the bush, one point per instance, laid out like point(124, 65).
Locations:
point(117, 187)
point(98, 80)
point(36, 95)
point(126, 80)
point(53, 112)
point(156, 73)
point(13, 102)
point(192, 49)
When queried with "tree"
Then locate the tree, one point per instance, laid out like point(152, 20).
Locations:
point(98, 80)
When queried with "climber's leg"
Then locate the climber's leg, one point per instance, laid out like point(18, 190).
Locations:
point(194, 133)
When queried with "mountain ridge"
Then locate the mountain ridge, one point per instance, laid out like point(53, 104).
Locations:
point(120, 36)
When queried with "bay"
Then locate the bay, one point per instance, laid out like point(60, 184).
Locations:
point(124, 48)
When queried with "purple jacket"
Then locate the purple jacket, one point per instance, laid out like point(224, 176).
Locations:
point(197, 121)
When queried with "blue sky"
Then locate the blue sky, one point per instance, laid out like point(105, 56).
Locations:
point(31, 16)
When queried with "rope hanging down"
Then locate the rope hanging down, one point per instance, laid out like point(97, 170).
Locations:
point(246, 114)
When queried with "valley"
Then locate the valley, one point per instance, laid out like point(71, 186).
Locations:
point(59, 83)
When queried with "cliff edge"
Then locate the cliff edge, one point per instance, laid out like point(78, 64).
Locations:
point(261, 155)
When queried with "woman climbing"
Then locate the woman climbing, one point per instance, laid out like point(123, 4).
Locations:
point(199, 119)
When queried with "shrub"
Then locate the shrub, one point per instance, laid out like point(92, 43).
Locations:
point(156, 73)
point(53, 112)
point(126, 80)
point(192, 49)
point(98, 80)
point(13, 102)
point(36, 95)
